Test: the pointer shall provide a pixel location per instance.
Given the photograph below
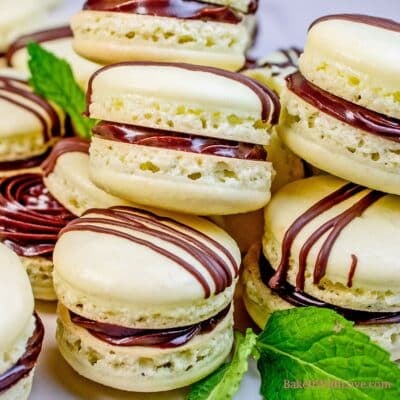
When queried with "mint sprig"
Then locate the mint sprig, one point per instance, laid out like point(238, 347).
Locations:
point(307, 353)
point(225, 381)
point(53, 79)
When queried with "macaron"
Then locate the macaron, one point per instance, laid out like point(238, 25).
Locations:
point(66, 176)
point(342, 114)
point(57, 40)
point(145, 303)
point(29, 125)
point(330, 243)
point(272, 69)
point(186, 31)
point(21, 331)
point(188, 149)
point(30, 220)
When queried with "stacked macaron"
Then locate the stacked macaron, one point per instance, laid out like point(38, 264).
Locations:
point(21, 331)
point(58, 41)
point(29, 125)
point(144, 297)
point(189, 31)
point(166, 142)
point(342, 110)
point(329, 242)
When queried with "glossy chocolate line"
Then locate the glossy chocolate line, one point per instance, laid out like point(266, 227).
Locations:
point(343, 110)
point(28, 360)
point(384, 23)
point(10, 87)
point(269, 100)
point(38, 37)
point(179, 141)
point(163, 338)
point(68, 145)
point(30, 218)
point(23, 164)
point(354, 262)
point(300, 299)
point(182, 9)
point(138, 222)
point(289, 58)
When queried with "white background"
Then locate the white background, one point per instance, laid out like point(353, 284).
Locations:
point(282, 23)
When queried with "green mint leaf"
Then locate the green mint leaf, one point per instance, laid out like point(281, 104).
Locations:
point(52, 78)
point(304, 347)
point(225, 381)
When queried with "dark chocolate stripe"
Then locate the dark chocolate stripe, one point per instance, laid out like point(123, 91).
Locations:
point(171, 231)
point(30, 218)
point(27, 362)
point(300, 299)
point(269, 100)
point(38, 37)
point(67, 145)
point(359, 117)
point(182, 9)
point(334, 225)
point(163, 338)
point(11, 88)
point(383, 23)
point(179, 141)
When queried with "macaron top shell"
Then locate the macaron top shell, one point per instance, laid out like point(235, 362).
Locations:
point(370, 239)
point(127, 255)
point(16, 300)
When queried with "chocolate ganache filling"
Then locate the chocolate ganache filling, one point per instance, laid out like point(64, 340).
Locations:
point(300, 299)
point(359, 117)
point(178, 141)
point(30, 218)
point(68, 145)
point(163, 338)
point(23, 164)
point(28, 360)
point(38, 37)
point(183, 9)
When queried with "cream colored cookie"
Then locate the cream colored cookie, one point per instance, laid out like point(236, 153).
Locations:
point(181, 181)
point(58, 41)
point(109, 37)
point(173, 97)
point(363, 70)
point(66, 175)
point(261, 302)
point(143, 368)
point(339, 148)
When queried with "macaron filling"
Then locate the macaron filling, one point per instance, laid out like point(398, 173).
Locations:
point(180, 142)
point(299, 298)
point(352, 114)
point(30, 218)
point(27, 361)
point(182, 9)
point(31, 162)
point(163, 338)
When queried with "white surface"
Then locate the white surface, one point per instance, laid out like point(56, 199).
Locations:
point(285, 24)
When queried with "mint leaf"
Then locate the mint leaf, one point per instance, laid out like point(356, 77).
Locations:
point(225, 381)
point(52, 78)
point(315, 346)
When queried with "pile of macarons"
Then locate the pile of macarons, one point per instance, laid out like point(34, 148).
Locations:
point(138, 232)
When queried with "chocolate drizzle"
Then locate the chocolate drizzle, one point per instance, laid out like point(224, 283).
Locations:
point(30, 218)
point(300, 299)
point(334, 226)
point(28, 360)
point(345, 111)
point(383, 23)
point(19, 93)
point(144, 225)
point(68, 145)
point(23, 164)
point(162, 338)
point(178, 141)
point(182, 9)
point(269, 100)
point(38, 37)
